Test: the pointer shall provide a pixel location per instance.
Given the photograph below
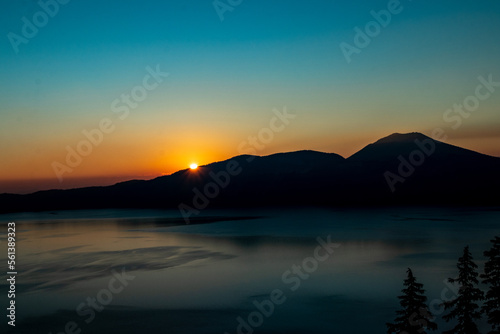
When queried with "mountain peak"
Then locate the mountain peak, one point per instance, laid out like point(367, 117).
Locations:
point(388, 148)
point(401, 137)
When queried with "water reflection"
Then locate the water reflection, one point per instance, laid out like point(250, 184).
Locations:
point(199, 278)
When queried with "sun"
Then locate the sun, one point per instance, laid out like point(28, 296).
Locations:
point(193, 166)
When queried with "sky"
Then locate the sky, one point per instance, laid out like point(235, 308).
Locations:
point(95, 92)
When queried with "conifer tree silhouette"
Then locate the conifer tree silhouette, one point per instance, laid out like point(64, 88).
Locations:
point(414, 317)
point(464, 307)
point(491, 277)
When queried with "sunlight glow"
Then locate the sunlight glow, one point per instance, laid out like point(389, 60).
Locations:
point(193, 166)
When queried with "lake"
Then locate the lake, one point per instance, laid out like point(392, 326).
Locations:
point(257, 271)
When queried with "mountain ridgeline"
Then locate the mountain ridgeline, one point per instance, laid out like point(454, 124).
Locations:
point(401, 169)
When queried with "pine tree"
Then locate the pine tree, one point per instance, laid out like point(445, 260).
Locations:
point(464, 307)
point(414, 317)
point(491, 277)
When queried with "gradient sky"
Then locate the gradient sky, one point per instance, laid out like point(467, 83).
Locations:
point(226, 77)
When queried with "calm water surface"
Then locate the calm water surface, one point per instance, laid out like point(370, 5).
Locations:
point(207, 278)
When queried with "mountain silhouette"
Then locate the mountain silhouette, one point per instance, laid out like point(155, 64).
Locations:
point(390, 147)
point(400, 169)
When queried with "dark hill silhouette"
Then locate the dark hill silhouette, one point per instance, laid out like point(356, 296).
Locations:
point(444, 175)
point(447, 175)
point(390, 147)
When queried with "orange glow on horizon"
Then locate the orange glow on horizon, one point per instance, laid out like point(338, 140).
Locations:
point(144, 158)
